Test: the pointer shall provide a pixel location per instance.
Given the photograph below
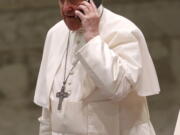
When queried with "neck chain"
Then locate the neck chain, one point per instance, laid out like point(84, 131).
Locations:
point(66, 60)
point(63, 94)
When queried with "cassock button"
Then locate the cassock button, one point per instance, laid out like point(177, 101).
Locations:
point(71, 73)
point(69, 91)
point(69, 83)
point(78, 42)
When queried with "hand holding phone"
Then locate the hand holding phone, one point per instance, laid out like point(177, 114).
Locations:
point(89, 17)
point(96, 2)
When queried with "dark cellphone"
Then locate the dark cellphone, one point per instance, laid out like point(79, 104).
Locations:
point(97, 2)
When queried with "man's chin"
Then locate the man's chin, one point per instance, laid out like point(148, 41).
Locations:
point(73, 25)
point(74, 28)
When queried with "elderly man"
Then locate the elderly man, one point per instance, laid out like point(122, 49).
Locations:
point(95, 74)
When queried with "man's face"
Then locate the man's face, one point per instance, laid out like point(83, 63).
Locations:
point(67, 9)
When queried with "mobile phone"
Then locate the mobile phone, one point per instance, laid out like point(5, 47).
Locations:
point(96, 2)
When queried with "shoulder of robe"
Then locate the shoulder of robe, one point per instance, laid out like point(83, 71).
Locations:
point(117, 22)
point(59, 27)
point(53, 34)
point(120, 29)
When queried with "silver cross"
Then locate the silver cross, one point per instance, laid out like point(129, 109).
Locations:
point(61, 95)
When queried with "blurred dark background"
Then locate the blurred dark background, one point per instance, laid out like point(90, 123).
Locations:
point(23, 26)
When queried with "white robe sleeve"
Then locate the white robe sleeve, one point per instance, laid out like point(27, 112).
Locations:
point(114, 70)
point(45, 124)
point(41, 96)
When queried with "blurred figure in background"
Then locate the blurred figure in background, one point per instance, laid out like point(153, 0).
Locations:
point(177, 129)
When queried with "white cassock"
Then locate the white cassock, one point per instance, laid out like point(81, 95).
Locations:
point(177, 128)
point(108, 87)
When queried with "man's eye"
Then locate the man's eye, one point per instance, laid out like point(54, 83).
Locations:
point(61, 1)
point(72, 1)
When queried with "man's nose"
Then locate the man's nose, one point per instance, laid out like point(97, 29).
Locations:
point(68, 6)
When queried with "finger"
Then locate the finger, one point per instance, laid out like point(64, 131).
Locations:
point(87, 4)
point(93, 5)
point(83, 8)
point(79, 14)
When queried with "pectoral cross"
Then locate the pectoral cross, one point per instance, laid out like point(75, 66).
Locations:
point(61, 95)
